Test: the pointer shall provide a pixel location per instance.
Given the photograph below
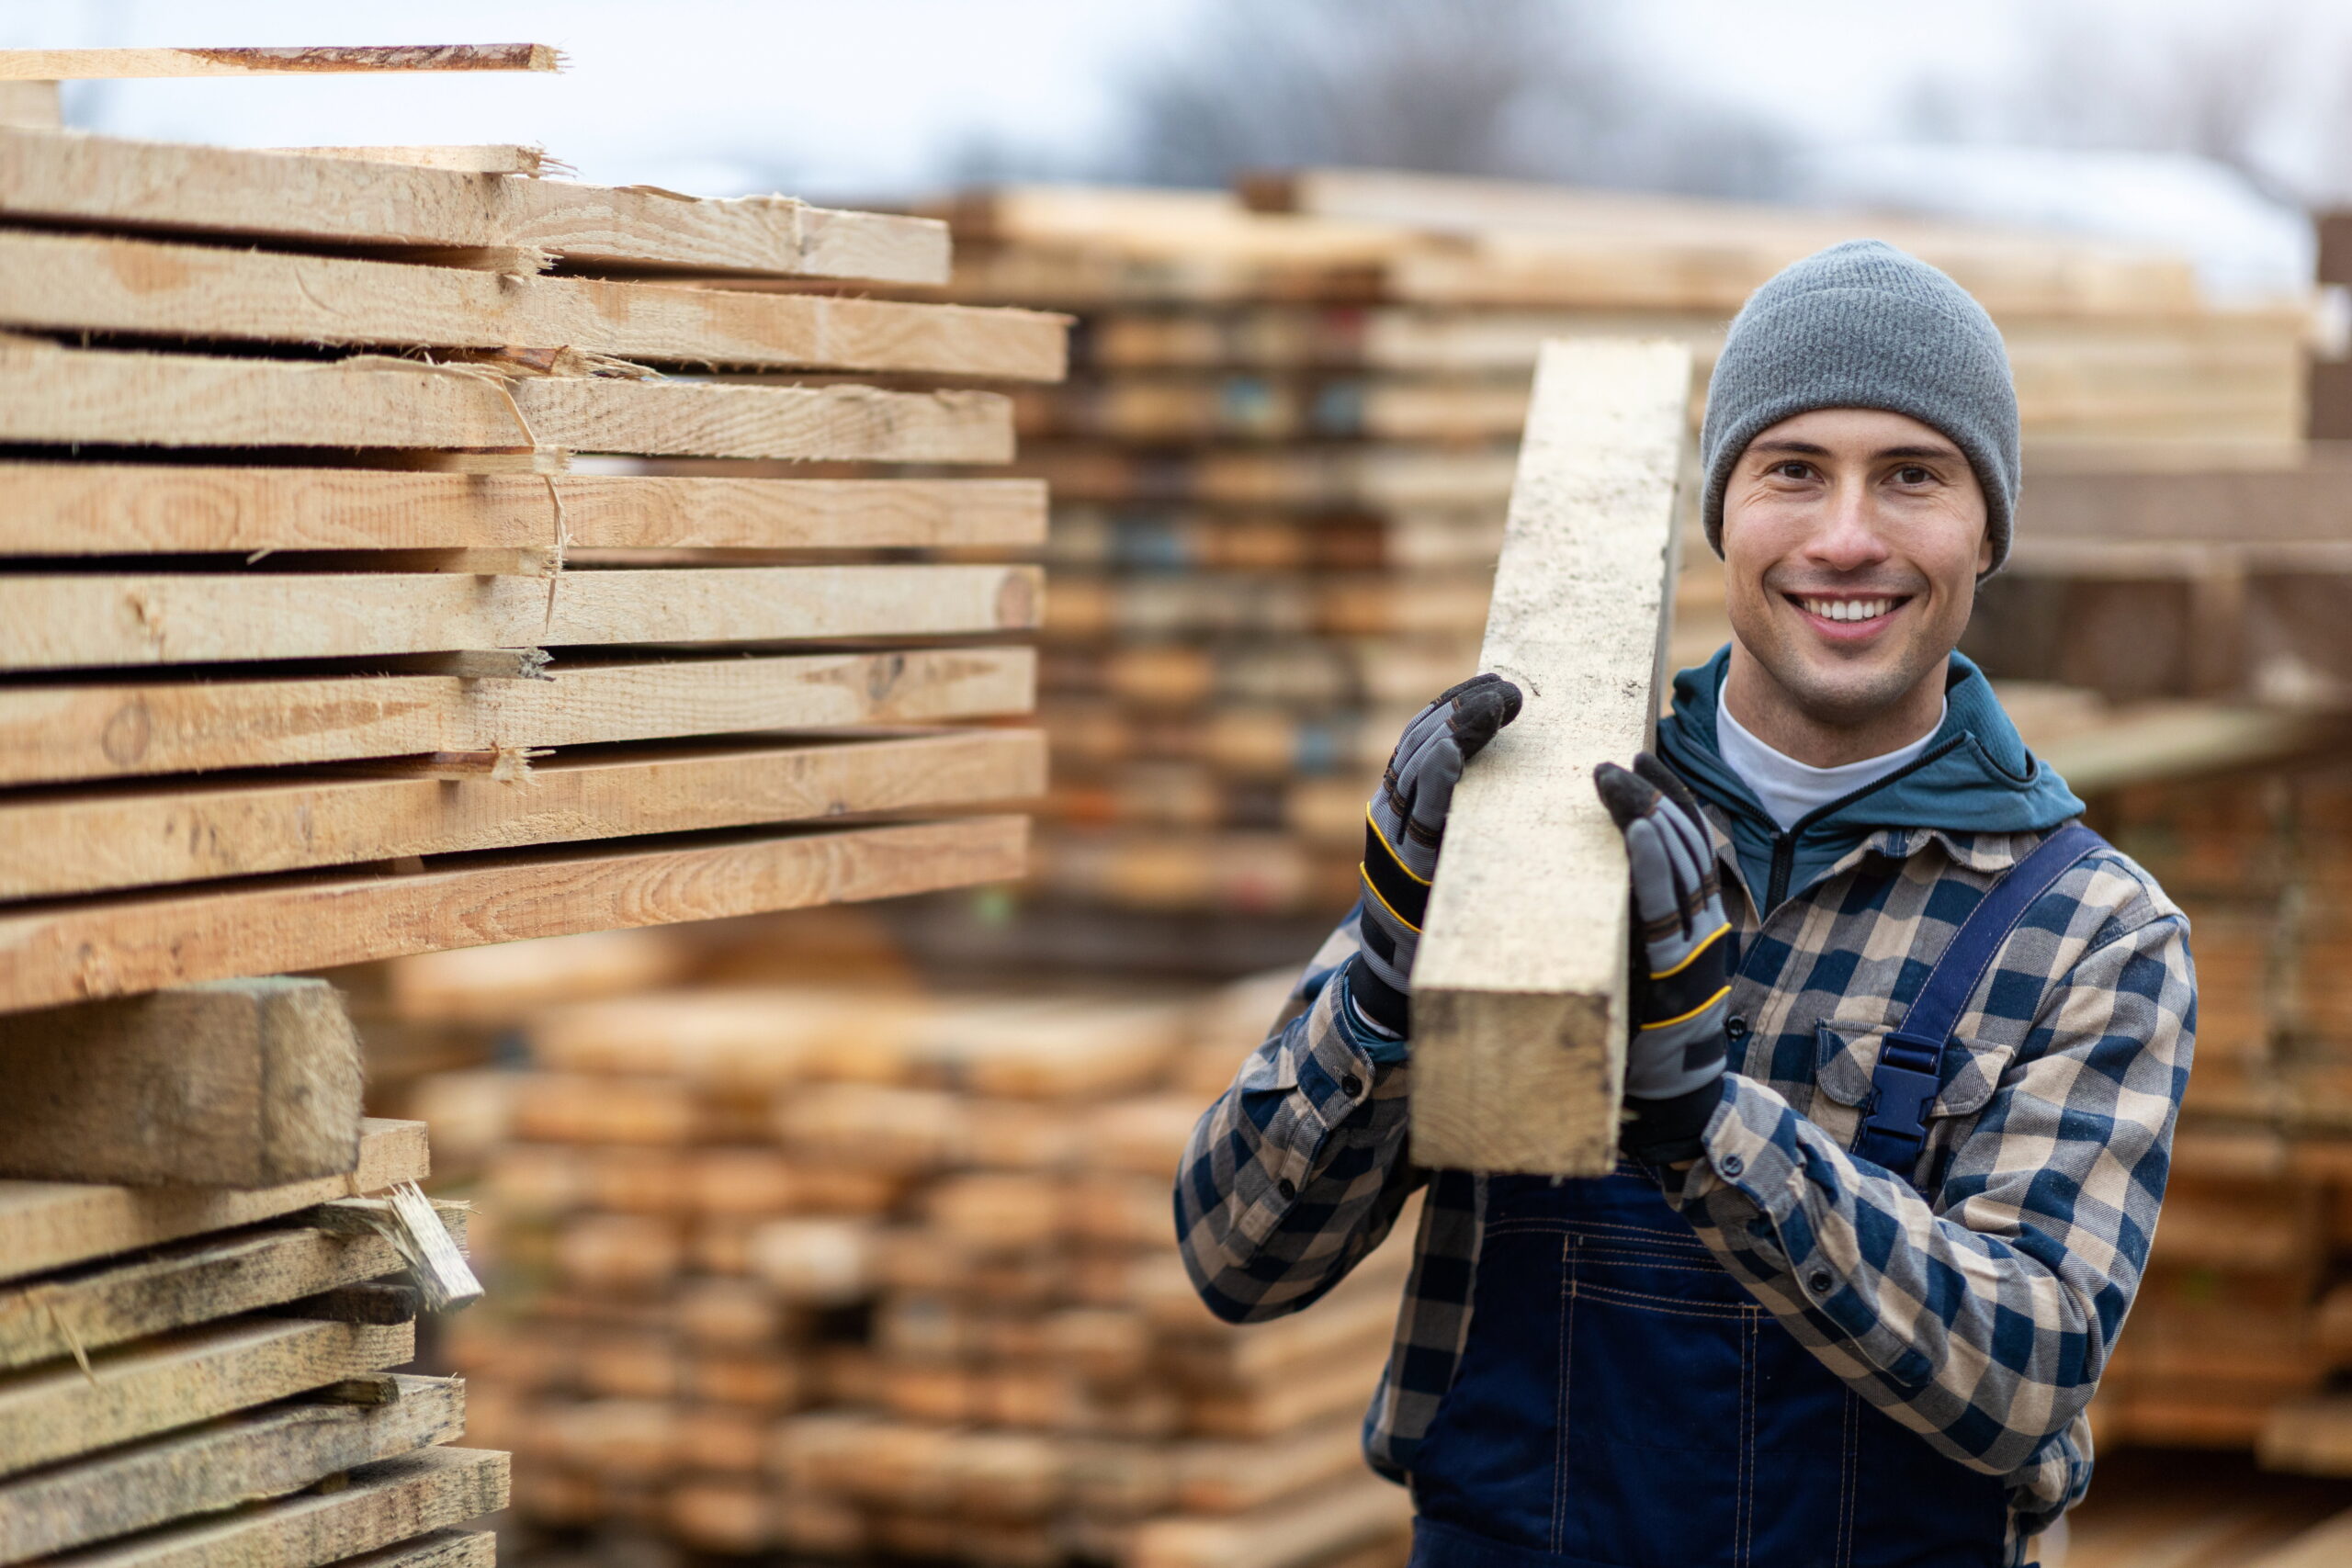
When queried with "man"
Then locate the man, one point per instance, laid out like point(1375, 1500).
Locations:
point(1908, 1053)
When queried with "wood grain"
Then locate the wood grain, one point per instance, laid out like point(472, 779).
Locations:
point(69, 283)
point(1518, 986)
point(387, 1502)
point(115, 946)
point(242, 1459)
point(92, 842)
point(239, 1083)
point(49, 1225)
point(66, 395)
point(111, 183)
point(190, 1281)
point(53, 1413)
point(51, 733)
point(67, 509)
point(63, 620)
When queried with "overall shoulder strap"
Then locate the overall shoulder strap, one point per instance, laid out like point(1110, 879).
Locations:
point(1905, 1083)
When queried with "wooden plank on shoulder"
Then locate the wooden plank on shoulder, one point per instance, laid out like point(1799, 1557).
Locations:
point(244, 1459)
point(52, 1224)
point(1518, 988)
point(51, 733)
point(92, 842)
point(64, 395)
point(384, 1505)
point(76, 283)
point(68, 509)
point(237, 1083)
point(191, 1281)
point(53, 1413)
point(84, 620)
point(111, 183)
point(115, 946)
point(88, 64)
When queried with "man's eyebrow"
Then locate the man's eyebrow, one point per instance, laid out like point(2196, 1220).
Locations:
point(1785, 445)
point(1917, 452)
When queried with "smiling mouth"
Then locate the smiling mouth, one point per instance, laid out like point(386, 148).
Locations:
point(1857, 608)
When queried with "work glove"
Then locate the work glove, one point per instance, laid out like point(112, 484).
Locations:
point(1682, 969)
point(1403, 825)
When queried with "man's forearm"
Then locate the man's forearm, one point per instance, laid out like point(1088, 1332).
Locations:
point(1294, 1173)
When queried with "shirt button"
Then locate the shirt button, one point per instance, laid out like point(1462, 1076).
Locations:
point(1352, 1086)
point(1819, 1281)
point(1737, 1027)
point(1289, 1190)
point(1731, 1165)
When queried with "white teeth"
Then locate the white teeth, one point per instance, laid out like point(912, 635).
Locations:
point(1848, 609)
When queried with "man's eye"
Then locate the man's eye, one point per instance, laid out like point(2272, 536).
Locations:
point(1793, 470)
point(1912, 474)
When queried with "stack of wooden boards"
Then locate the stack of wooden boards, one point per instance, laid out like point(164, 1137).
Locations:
point(860, 1271)
point(2245, 1317)
point(337, 620)
point(1280, 467)
point(194, 1377)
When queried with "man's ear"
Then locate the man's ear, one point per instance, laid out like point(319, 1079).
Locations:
point(1984, 548)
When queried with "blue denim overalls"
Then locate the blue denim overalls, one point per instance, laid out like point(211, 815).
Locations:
point(1623, 1402)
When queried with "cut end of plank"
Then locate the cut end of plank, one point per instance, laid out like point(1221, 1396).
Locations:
point(1560, 1078)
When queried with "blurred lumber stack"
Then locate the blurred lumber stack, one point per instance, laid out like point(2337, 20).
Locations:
point(2245, 1315)
point(1281, 464)
point(857, 1270)
point(337, 620)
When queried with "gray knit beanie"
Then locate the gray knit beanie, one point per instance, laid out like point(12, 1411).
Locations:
point(1864, 325)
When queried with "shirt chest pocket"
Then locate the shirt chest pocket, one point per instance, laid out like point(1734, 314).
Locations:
point(1846, 1057)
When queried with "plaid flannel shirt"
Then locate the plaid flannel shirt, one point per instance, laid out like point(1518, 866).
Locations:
point(1978, 1316)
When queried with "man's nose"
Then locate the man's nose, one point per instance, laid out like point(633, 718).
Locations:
point(1849, 537)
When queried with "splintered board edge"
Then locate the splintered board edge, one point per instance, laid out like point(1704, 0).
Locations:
point(50, 1224)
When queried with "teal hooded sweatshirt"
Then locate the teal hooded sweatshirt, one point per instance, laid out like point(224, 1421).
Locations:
point(1976, 777)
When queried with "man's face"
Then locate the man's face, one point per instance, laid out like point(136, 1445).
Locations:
point(1852, 540)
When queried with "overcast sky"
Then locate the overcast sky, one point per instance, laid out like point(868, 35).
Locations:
point(842, 97)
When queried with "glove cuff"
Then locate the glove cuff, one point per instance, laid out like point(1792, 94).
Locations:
point(1662, 1132)
point(1382, 1004)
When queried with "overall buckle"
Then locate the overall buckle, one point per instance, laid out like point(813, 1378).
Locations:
point(1904, 1086)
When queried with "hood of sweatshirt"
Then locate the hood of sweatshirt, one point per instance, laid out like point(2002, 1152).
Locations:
point(1975, 776)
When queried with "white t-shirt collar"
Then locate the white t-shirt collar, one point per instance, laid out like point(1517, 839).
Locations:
point(1790, 789)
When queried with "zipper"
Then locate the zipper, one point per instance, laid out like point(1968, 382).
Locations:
point(1784, 844)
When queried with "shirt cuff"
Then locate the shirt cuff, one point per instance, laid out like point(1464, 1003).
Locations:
point(1374, 1047)
point(1749, 1165)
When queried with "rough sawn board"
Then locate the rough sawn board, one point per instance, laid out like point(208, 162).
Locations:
point(1518, 988)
